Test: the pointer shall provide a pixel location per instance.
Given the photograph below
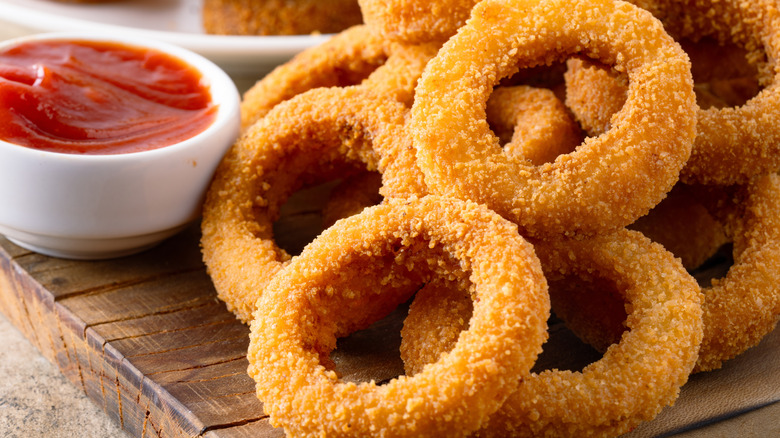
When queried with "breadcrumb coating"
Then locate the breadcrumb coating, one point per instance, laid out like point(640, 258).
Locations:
point(416, 22)
point(424, 98)
point(279, 17)
point(732, 144)
point(634, 379)
point(346, 59)
point(311, 138)
point(608, 181)
point(684, 226)
point(532, 123)
point(744, 306)
point(327, 290)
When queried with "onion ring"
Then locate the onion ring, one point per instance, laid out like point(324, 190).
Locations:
point(591, 307)
point(298, 142)
point(736, 143)
point(635, 378)
point(744, 306)
point(314, 300)
point(415, 22)
point(346, 59)
point(424, 336)
point(355, 56)
point(594, 94)
point(532, 123)
point(578, 194)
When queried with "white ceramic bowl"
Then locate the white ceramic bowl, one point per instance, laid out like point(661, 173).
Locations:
point(102, 206)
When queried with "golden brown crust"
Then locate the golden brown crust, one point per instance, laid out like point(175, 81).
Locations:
point(346, 59)
point(414, 21)
point(738, 309)
point(532, 123)
point(634, 380)
point(744, 306)
point(594, 93)
point(344, 107)
point(580, 193)
point(397, 78)
point(279, 17)
point(300, 141)
point(326, 291)
point(733, 143)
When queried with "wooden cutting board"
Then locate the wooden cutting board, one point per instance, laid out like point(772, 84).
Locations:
point(146, 338)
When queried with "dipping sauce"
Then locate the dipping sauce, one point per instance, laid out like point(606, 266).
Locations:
point(88, 97)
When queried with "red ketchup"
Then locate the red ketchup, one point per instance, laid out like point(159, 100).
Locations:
point(85, 97)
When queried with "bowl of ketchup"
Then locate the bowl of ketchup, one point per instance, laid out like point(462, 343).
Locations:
point(107, 145)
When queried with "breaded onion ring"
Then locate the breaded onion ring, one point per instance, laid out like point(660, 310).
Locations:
point(346, 59)
point(609, 181)
point(744, 306)
point(634, 380)
point(355, 56)
point(440, 311)
point(593, 305)
point(299, 142)
point(315, 299)
point(684, 226)
point(732, 144)
point(415, 22)
point(532, 123)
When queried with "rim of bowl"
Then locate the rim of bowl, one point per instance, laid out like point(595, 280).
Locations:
point(223, 92)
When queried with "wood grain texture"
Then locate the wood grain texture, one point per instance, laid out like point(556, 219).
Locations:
point(144, 336)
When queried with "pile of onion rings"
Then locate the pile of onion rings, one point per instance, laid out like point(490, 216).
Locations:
point(475, 153)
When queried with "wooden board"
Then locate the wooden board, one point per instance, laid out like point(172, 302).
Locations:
point(146, 338)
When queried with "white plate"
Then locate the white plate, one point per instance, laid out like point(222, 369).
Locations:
point(174, 21)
